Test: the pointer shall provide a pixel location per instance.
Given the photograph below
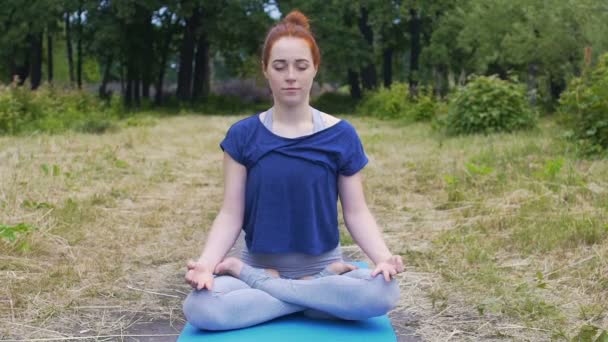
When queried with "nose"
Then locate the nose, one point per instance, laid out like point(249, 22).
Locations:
point(291, 75)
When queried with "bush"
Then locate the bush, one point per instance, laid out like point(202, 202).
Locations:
point(585, 104)
point(386, 103)
point(487, 105)
point(335, 103)
point(395, 103)
point(425, 107)
point(50, 109)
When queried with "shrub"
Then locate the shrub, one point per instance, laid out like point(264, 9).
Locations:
point(396, 103)
point(585, 104)
point(386, 103)
point(50, 109)
point(335, 103)
point(424, 106)
point(487, 105)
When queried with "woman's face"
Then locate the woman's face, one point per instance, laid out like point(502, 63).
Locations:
point(290, 71)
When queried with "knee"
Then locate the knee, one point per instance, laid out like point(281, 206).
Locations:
point(202, 310)
point(383, 296)
point(389, 294)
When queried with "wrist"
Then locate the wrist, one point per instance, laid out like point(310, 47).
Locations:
point(383, 257)
point(205, 263)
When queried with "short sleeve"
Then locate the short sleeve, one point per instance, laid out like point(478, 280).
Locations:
point(354, 158)
point(232, 144)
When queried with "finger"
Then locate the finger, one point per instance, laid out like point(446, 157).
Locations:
point(393, 272)
point(210, 285)
point(375, 272)
point(387, 276)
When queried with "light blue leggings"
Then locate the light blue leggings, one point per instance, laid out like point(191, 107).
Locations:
point(258, 297)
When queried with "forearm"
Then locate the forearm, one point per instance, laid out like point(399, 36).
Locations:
point(366, 233)
point(222, 235)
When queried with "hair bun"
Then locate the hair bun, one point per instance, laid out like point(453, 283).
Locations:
point(297, 18)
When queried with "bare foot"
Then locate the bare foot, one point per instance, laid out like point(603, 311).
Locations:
point(230, 265)
point(339, 267)
point(233, 266)
point(273, 272)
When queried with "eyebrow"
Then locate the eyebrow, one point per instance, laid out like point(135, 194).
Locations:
point(285, 61)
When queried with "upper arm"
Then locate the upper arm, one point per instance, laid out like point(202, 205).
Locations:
point(235, 178)
point(352, 197)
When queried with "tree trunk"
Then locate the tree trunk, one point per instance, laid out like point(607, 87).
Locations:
point(556, 86)
point(68, 40)
point(36, 63)
point(368, 72)
point(79, 48)
point(462, 78)
point(353, 81)
point(387, 66)
point(158, 96)
point(49, 56)
point(414, 50)
point(130, 84)
point(103, 93)
point(148, 67)
point(123, 89)
point(22, 72)
point(184, 76)
point(532, 86)
point(137, 89)
point(200, 88)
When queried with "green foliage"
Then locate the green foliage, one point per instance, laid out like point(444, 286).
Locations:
point(50, 109)
point(425, 107)
point(11, 234)
point(395, 103)
point(591, 333)
point(90, 71)
point(335, 103)
point(488, 105)
point(586, 105)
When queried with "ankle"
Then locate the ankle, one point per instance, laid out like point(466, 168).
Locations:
point(274, 273)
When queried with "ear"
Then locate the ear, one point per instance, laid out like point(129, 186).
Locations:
point(264, 70)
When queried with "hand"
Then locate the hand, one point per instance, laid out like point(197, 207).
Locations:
point(199, 276)
point(389, 267)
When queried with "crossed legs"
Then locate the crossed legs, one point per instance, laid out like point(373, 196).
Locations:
point(247, 296)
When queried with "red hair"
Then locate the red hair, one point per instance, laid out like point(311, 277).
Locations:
point(295, 24)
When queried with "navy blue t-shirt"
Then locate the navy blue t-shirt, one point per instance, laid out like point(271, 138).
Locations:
point(291, 196)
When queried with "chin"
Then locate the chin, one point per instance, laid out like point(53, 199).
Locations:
point(291, 102)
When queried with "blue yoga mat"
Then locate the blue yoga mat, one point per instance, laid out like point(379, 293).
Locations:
point(297, 327)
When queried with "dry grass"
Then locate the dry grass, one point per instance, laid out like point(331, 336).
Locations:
point(119, 214)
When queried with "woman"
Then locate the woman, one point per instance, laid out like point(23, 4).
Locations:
point(283, 171)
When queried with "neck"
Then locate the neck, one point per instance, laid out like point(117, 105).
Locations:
point(292, 115)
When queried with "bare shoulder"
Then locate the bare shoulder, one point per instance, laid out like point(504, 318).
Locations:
point(329, 120)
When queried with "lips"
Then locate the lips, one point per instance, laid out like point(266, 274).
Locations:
point(291, 89)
